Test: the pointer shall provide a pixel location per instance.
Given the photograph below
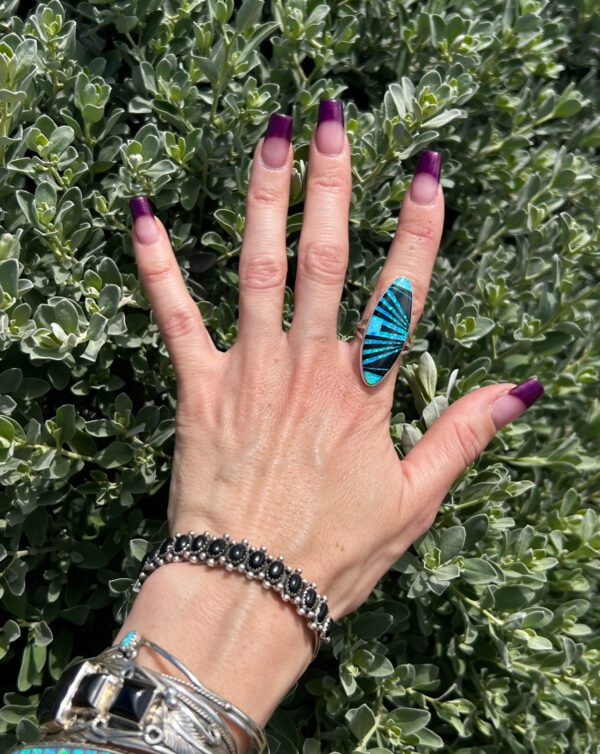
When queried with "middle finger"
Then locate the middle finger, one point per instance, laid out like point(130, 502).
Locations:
point(323, 248)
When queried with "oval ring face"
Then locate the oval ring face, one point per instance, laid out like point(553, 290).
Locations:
point(386, 331)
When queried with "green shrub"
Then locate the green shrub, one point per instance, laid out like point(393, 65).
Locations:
point(483, 638)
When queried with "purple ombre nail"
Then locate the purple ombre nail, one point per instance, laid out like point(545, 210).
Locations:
point(429, 163)
point(511, 405)
point(425, 185)
point(276, 146)
point(528, 391)
point(331, 134)
point(144, 223)
point(140, 207)
point(331, 110)
point(280, 127)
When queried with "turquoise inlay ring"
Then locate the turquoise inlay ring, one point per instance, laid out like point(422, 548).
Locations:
point(386, 331)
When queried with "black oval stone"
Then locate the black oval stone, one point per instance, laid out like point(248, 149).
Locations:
point(148, 557)
point(256, 560)
point(181, 542)
point(166, 545)
point(322, 612)
point(310, 597)
point(293, 583)
point(217, 548)
point(236, 554)
point(275, 571)
point(198, 543)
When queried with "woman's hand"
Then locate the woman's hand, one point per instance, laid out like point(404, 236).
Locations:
point(278, 439)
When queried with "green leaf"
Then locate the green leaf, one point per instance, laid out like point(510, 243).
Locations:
point(65, 420)
point(409, 719)
point(248, 14)
point(32, 388)
point(209, 69)
point(60, 139)
point(478, 571)
point(42, 635)
point(10, 380)
point(512, 597)
point(451, 543)
point(371, 625)
point(115, 455)
point(66, 316)
point(9, 276)
point(360, 720)
point(27, 204)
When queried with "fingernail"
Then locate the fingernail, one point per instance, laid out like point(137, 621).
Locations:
point(424, 185)
point(144, 224)
point(510, 406)
point(330, 127)
point(277, 141)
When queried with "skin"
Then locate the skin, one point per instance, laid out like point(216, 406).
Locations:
point(279, 440)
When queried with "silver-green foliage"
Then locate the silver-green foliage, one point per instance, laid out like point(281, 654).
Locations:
point(484, 637)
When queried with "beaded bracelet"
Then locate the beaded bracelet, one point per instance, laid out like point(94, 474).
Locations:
point(255, 562)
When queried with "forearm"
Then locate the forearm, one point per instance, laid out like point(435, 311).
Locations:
point(239, 639)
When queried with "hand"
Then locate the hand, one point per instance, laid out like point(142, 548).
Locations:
point(278, 439)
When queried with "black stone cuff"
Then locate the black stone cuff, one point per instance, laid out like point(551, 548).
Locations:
point(255, 563)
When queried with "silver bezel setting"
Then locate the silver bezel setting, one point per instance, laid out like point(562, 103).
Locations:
point(189, 555)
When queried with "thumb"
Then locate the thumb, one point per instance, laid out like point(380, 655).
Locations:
point(456, 439)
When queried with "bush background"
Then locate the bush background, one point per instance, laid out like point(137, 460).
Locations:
point(484, 637)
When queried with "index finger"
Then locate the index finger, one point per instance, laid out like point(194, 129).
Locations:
point(177, 315)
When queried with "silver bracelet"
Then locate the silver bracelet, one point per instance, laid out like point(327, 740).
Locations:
point(133, 708)
point(255, 563)
point(111, 701)
point(129, 647)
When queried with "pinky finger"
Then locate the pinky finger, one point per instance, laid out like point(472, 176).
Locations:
point(177, 315)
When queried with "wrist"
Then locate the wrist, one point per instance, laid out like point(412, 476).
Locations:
point(240, 640)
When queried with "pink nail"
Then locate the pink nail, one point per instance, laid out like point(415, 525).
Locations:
point(510, 406)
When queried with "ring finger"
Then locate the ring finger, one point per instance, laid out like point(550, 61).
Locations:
point(416, 242)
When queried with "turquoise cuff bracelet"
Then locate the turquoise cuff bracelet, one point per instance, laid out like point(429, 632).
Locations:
point(255, 563)
point(65, 747)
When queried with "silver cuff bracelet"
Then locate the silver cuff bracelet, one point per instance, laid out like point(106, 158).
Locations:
point(111, 701)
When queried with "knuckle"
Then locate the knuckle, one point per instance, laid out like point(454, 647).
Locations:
point(158, 274)
point(264, 196)
point(426, 517)
point(422, 515)
point(330, 181)
point(468, 441)
point(324, 261)
point(262, 272)
point(179, 323)
point(417, 230)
